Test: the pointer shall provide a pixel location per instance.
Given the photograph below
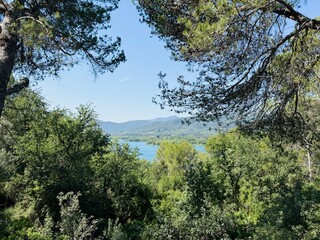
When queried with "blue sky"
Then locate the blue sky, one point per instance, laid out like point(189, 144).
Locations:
point(125, 94)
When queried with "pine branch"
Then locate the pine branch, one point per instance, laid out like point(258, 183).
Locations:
point(289, 12)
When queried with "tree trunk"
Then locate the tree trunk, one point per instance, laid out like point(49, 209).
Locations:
point(309, 162)
point(8, 50)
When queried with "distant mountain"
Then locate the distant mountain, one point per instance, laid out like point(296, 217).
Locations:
point(169, 127)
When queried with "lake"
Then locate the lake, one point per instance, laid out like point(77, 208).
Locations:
point(148, 151)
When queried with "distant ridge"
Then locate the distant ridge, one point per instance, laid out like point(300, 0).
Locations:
point(168, 127)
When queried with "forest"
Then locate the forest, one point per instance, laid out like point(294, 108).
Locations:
point(63, 177)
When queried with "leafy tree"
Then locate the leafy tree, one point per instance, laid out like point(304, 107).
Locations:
point(18, 117)
point(258, 60)
point(54, 151)
point(245, 188)
point(202, 185)
point(168, 172)
point(268, 185)
point(213, 223)
point(54, 156)
point(47, 152)
point(175, 157)
point(39, 38)
point(121, 191)
point(74, 223)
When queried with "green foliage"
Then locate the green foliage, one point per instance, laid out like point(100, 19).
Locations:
point(171, 163)
point(252, 69)
point(74, 224)
point(11, 229)
point(202, 185)
point(175, 157)
point(19, 115)
point(53, 35)
point(21, 111)
point(54, 156)
point(55, 151)
point(213, 223)
point(119, 180)
point(242, 188)
point(114, 231)
point(254, 174)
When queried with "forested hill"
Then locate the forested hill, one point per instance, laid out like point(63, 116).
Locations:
point(169, 127)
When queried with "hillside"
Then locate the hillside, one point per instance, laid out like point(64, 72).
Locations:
point(159, 128)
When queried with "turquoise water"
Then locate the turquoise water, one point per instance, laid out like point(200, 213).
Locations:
point(148, 151)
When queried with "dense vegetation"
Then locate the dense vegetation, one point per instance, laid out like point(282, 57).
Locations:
point(62, 178)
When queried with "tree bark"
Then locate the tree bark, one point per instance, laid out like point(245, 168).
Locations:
point(8, 51)
point(309, 162)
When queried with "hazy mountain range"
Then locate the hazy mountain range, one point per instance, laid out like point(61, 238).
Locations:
point(169, 127)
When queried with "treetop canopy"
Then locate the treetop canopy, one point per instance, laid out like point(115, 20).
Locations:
point(258, 61)
point(52, 35)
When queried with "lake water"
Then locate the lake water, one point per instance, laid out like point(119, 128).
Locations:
point(148, 151)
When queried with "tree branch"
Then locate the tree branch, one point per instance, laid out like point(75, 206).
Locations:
point(289, 12)
point(4, 6)
point(18, 86)
point(287, 5)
